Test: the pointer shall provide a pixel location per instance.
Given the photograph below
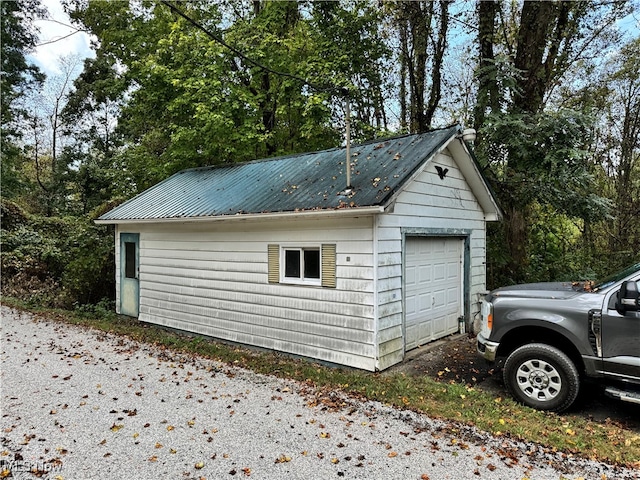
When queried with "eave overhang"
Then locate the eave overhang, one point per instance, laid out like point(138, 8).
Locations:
point(348, 212)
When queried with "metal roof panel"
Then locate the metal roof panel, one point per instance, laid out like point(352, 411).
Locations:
point(302, 182)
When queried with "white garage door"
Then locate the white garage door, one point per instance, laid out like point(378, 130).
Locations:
point(433, 288)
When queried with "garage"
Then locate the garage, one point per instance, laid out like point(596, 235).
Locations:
point(433, 288)
point(288, 260)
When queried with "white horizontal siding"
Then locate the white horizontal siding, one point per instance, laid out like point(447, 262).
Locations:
point(428, 203)
point(213, 280)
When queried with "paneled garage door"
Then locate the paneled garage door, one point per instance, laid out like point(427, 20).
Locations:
point(433, 288)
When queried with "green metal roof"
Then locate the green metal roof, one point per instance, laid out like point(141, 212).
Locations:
point(295, 183)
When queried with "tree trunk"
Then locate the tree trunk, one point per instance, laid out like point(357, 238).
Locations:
point(517, 235)
point(488, 91)
point(438, 55)
point(536, 24)
point(404, 65)
point(420, 14)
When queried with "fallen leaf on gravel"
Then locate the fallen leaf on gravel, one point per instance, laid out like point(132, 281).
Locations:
point(153, 459)
point(199, 465)
point(246, 471)
point(283, 459)
point(424, 476)
point(392, 454)
point(115, 428)
point(170, 427)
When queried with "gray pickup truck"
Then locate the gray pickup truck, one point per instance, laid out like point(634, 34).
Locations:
point(552, 336)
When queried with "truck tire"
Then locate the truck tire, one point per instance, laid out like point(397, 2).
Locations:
point(542, 377)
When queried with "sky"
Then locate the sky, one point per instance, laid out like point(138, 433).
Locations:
point(57, 39)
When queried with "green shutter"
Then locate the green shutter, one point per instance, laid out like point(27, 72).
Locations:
point(274, 263)
point(329, 265)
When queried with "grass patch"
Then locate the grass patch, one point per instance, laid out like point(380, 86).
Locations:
point(572, 434)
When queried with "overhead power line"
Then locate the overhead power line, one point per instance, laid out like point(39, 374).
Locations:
point(209, 33)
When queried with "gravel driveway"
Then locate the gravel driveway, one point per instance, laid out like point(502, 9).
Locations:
point(81, 404)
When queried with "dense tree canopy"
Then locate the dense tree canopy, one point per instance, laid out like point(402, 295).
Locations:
point(18, 37)
point(551, 87)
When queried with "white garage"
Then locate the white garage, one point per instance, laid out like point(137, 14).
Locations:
point(285, 254)
point(434, 269)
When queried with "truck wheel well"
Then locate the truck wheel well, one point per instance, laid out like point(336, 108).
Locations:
point(524, 335)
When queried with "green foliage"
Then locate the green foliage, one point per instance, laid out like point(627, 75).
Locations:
point(188, 101)
point(556, 249)
point(56, 261)
point(18, 37)
point(12, 215)
point(539, 163)
point(542, 158)
point(89, 276)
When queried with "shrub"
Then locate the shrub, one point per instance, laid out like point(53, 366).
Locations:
point(89, 276)
point(56, 261)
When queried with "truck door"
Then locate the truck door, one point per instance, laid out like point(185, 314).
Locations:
point(620, 341)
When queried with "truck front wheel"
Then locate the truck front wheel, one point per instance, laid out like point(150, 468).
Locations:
point(542, 377)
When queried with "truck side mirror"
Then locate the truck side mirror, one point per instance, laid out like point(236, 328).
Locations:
point(627, 298)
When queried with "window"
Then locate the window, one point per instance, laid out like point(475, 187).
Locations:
point(314, 265)
point(130, 259)
point(302, 264)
